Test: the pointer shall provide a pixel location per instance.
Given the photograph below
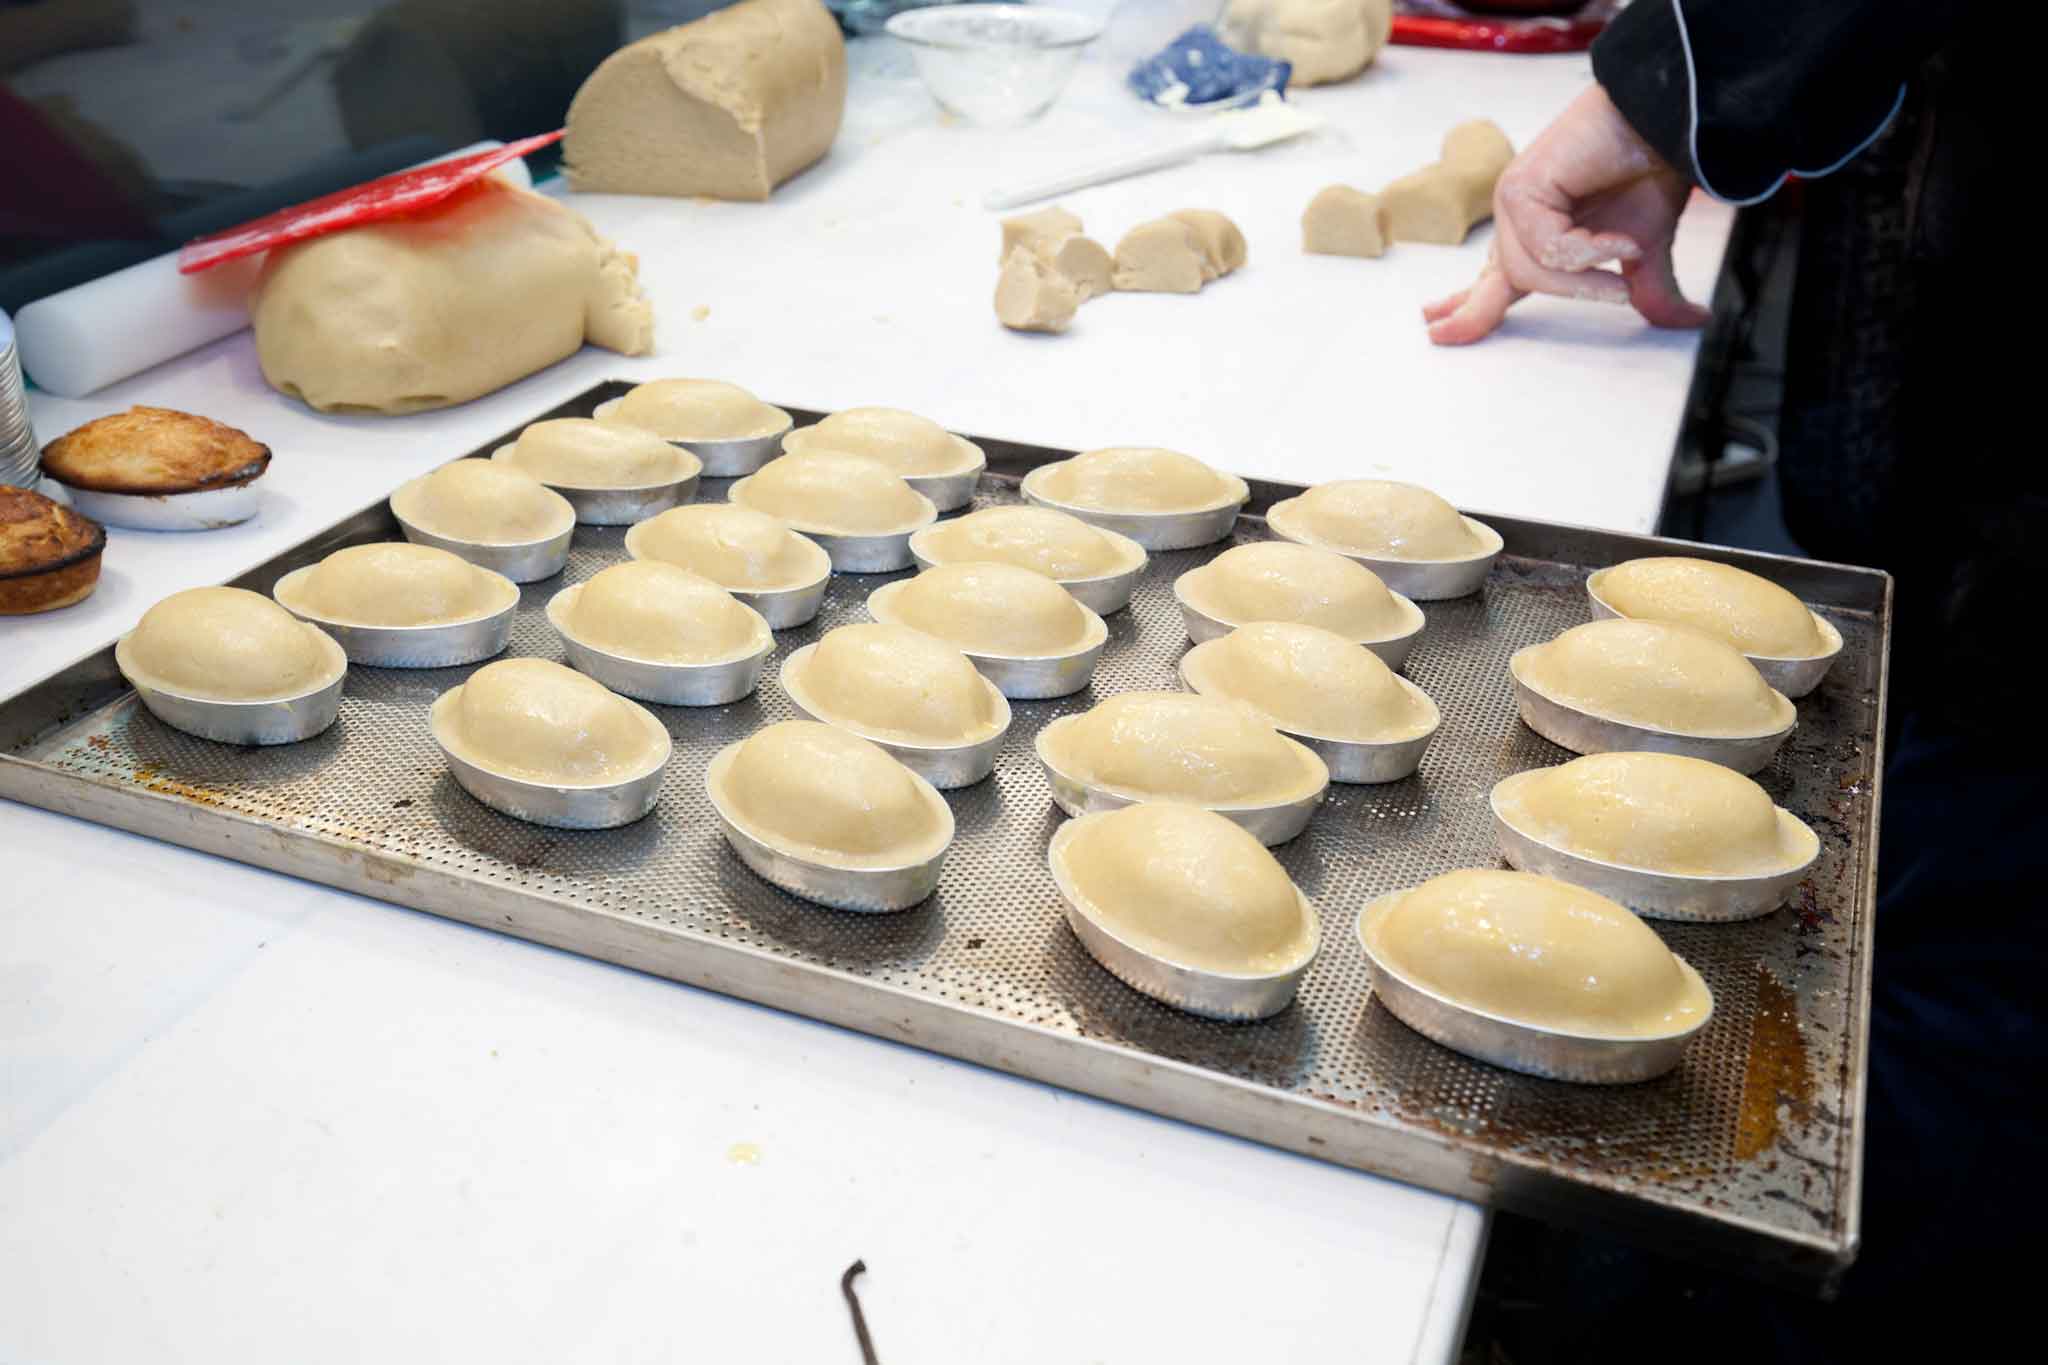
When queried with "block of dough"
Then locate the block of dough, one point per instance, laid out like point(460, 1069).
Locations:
point(730, 105)
point(1033, 297)
point(1037, 231)
point(1223, 248)
point(1324, 40)
point(1342, 221)
point(1442, 202)
point(1084, 263)
point(1164, 256)
point(442, 306)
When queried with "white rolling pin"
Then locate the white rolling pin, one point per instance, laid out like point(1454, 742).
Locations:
point(84, 338)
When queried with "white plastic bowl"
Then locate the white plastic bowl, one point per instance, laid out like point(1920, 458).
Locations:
point(997, 65)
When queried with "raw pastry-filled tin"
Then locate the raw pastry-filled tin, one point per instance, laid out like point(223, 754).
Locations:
point(278, 720)
point(666, 684)
point(1582, 732)
point(730, 459)
point(437, 646)
point(1794, 677)
point(945, 766)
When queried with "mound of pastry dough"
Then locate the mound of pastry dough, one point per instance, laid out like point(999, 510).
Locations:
point(828, 796)
point(443, 305)
point(1656, 813)
point(1140, 479)
point(996, 610)
point(1343, 221)
point(1274, 580)
point(907, 443)
point(1310, 681)
point(1032, 296)
point(536, 721)
point(1174, 746)
point(1048, 270)
point(1751, 613)
point(1179, 253)
point(896, 684)
point(394, 583)
point(1188, 886)
point(1060, 546)
point(1537, 952)
point(729, 105)
point(824, 492)
point(645, 609)
point(696, 410)
point(580, 452)
point(1381, 519)
point(1661, 677)
point(228, 644)
point(735, 547)
point(1324, 40)
point(483, 502)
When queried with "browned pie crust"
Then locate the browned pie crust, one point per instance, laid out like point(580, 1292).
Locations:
point(154, 451)
point(49, 555)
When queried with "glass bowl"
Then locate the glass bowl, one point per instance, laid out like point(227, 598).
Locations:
point(995, 64)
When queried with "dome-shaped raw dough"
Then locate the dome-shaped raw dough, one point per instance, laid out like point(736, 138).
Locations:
point(831, 796)
point(1538, 952)
point(1277, 580)
point(1137, 479)
point(540, 722)
point(1656, 812)
point(1660, 676)
point(394, 583)
point(579, 452)
point(228, 644)
point(1187, 885)
point(898, 684)
point(1379, 519)
point(1324, 40)
point(1312, 682)
point(697, 410)
point(905, 442)
point(645, 609)
point(1041, 539)
point(835, 494)
point(1753, 614)
point(993, 609)
point(483, 502)
point(733, 546)
point(1175, 746)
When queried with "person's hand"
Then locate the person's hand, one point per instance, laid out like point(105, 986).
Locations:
point(1586, 194)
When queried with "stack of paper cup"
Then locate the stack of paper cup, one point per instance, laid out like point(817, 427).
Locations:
point(19, 453)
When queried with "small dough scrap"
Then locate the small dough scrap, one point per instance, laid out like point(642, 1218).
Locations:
point(697, 410)
point(1324, 40)
point(1223, 248)
point(735, 547)
point(899, 685)
point(1037, 232)
point(1136, 479)
point(1164, 256)
point(829, 796)
point(829, 493)
point(483, 502)
point(1033, 297)
point(990, 609)
point(579, 452)
point(1443, 201)
point(1188, 886)
point(1342, 221)
point(645, 609)
point(1379, 519)
point(1060, 546)
point(537, 721)
point(1277, 580)
point(1748, 611)
point(1178, 746)
point(1539, 952)
point(228, 644)
point(1658, 813)
point(394, 583)
point(907, 443)
point(1084, 263)
point(1664, 677)
point(1310, 681)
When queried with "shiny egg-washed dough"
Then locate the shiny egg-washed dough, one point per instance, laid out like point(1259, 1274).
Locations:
point(538, 721)
point(1312, 682)
point(579, 452)
point(907, 443)
point(834, 494)
point(1538, 952)
point(228, 644)
point(898, 684)
point(1176, 746)
point(1187, 885)
point(394, 583)
point(1656, 812)
point(645, 609)
point(831, 797)
point(1274, 580)
point(483, 502)
point(1137, 479)
point(1380, 519)
point(697, 410)
point(735, 547)
point(1660, 676)
point(994, 609)
point(1046, 541)
point(1751, 613)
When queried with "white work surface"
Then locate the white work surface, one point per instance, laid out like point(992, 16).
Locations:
point(244, 1118)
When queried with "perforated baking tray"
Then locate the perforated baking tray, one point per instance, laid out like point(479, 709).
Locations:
point(1748, 1154)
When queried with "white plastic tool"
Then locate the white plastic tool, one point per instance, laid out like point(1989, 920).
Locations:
point(1242, 130)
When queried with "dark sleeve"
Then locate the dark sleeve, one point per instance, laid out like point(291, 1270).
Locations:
point(1738, 94)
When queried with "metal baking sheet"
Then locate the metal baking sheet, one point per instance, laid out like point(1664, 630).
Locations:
point(1748, 1154)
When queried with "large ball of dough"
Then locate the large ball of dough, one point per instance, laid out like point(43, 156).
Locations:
point(229, 644)
point(1665, 677)
point(901, 685)
point(1189, 886)
point(578, 452)
point(1041, 539)
point(1539, 952)
point(1312, 682)
point(697, 410)
point(1175, 746)
point(484, 502)
point(1380, 519)
point(994, 609)
point(904, 441)
point(830, 493)
point(832, 796)
point(1325, 40)
point(733, 546)
point(1275, 580)
point(1137, 479)
point(644, 609)
point(540, 722)
point(1751, 613)
point(397, 584)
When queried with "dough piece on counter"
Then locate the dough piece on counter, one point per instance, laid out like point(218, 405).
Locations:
point(1083, 263)
point(1033, 297)
point(1038, 231)
point(730, 105)
point(1442, 202)
point(442, 306)
point(1325, 40)
point(1164, 256)
point(1342, 221)
point(1223, 248)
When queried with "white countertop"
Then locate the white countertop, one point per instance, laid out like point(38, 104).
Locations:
point(247, 1118)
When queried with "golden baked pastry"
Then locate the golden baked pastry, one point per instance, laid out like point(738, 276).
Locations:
point(1657, 676)
point(394, 583)
point(1537, 952)
point(49, 555)
point(580, 452)
point(1751, 613)
point(1277, 580)
point(995, 610)
point(154, 452)
point(228, 644)
point(828, 493)
point(827, 796)
point(907, 443)
point(697, 410)
point(483, 502)
point(644, 609)
point(897, 685)
point(1060, 546)
point(1136, 479)
point(536, 721)
point(1381, 519)
point(1656, 813)
point(1176, 746)
point(735, 547)
point(1310, 681)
